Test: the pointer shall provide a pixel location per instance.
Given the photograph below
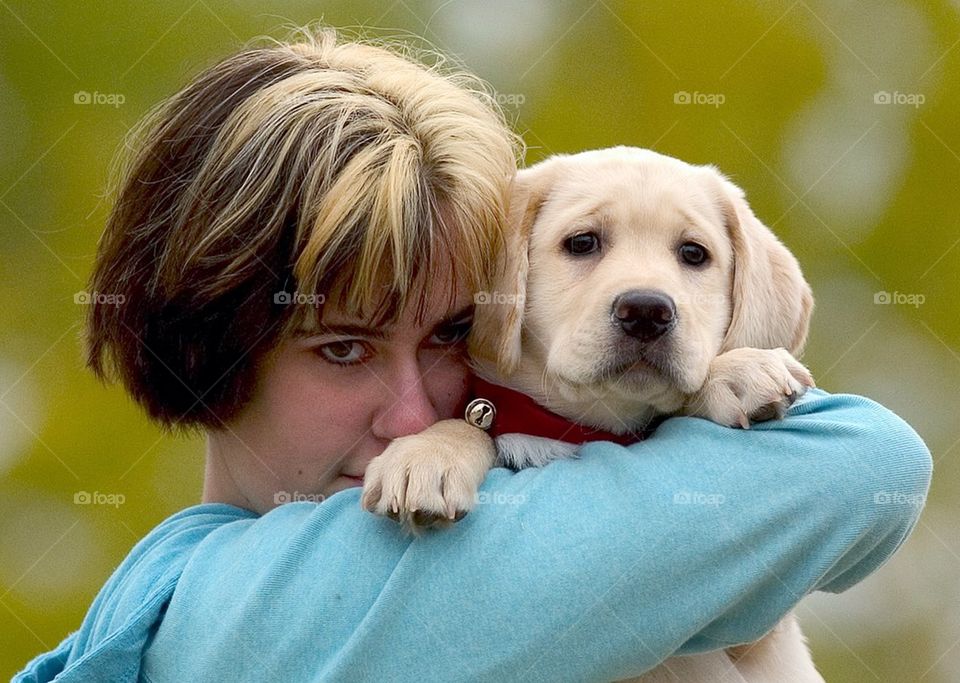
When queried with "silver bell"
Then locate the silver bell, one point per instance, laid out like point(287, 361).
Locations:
point(480, 413)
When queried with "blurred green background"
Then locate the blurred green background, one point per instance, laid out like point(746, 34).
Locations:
point(840, 119)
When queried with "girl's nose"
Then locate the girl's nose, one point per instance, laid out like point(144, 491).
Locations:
point(407, 407)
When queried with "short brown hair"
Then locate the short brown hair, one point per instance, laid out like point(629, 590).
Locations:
point(283, 169)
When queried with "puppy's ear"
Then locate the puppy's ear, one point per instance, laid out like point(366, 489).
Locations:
point(498, 315)
point(772, 302)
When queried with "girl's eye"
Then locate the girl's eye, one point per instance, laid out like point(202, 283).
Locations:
point(342, 352)
point(452, 333)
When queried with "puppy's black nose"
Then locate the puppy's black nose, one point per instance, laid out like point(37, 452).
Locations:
point(644, 314)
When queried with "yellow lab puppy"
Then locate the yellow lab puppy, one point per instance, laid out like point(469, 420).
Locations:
point(635, 286)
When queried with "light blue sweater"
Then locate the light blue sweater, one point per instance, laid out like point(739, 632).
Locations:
point(586, 570)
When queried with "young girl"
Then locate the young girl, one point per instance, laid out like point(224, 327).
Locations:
point(298, 237)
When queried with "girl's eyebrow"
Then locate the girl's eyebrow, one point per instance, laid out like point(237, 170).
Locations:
point(347, 330)
point(374, 332)
point(462, 313)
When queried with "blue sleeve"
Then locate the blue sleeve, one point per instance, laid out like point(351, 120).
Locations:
point(595, 568)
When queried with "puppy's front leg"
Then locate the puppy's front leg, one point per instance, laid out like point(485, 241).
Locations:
point(519, 451)
point(431, 478)
point(745, 385)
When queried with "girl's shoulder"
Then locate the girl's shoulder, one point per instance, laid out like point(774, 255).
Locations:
point(119, 622)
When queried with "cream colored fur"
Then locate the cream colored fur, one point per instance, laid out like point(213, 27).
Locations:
point(740, 321)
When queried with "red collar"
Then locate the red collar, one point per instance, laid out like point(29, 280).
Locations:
point(518, 413)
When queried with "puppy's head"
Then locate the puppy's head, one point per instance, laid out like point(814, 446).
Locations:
point(627, 272)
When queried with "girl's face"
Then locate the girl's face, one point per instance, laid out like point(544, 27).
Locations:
point(328, 401)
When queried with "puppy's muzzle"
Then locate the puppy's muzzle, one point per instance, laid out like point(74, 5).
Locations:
point(644, 314)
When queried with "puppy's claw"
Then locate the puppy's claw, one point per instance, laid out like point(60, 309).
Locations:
point(370, 498)
point(770, 411)
point(744, 420)
point(424, 519)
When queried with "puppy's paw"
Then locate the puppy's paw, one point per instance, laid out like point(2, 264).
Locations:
point(429, 479)
point(750, 385)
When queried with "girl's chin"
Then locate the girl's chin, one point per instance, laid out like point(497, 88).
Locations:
point(340, 483)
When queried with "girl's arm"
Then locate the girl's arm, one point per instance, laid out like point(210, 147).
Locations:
point(591, 569)
point(597, 568)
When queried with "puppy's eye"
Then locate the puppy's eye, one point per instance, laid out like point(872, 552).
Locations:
point(693, 254)
point(582, 244)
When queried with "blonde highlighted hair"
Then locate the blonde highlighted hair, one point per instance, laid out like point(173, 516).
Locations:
point(285, 169)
